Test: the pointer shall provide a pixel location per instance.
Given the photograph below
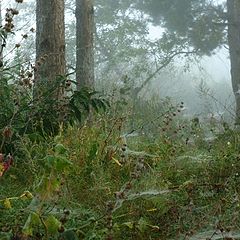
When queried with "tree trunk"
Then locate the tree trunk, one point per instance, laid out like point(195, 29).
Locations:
point(1, 38)
point(84, 44)
point(50, 42)
point(233, 7)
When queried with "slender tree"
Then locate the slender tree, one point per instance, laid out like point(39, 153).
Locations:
point(50, 41)
point(84, 43)
point(233, 7)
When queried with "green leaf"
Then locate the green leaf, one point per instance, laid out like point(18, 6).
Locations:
point(69, 235)
point(93, 151)
point(128, 224)
point(50, 160)
point(5, 236)
point(35, 219)
point(142, 225)
point(35, 137)
point(32, 221)
point(60, 149)
point(77, 113)
point(47, 186)
point(62, 163)
point(94, 104)
point(52, 224)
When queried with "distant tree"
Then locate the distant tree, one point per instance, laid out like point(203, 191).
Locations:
point(121, 46)
point(202, 25)
point(50, 42)
point(84, 43)
point(197, 22)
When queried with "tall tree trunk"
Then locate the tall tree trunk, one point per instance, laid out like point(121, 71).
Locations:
point(84, 43)
point(233, 7)
point(50, 42)
point(1, 38)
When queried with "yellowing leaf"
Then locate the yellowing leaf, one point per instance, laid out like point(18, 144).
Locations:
point(152, 210)
point(128, 224)
point(116, 161)
point(26, 195)
point(7, 203)
point(1, 169)
point(13, 176)
point(155, 228)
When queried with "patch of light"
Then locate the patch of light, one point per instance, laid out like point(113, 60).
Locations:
point(155, 32)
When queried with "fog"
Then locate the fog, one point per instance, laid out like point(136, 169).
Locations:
point(119, 119)
point(206, 80)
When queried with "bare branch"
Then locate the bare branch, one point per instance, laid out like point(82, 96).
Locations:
point(165, 62)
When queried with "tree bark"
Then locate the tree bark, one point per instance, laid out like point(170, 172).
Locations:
point(1, 38)
point(50, 42)
point(233, 7)
point(84, 44)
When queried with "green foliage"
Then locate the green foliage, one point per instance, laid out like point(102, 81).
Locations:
point(55, 166)
point(37, 108)
point(196, 21)
point(40, 116)
point(95, 183)
point(82, 101)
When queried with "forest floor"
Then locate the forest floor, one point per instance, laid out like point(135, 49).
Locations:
point(95, 182)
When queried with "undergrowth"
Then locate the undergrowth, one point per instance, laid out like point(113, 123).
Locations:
point(122, 186)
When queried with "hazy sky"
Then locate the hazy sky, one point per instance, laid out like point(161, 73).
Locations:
point(218, 66)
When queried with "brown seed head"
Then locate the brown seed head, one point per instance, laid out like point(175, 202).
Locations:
point(7, 132)
point(14, 11)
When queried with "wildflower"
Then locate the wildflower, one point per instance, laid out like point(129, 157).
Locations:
point(5, 164)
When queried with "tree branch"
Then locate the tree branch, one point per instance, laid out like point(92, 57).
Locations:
point(163, 65)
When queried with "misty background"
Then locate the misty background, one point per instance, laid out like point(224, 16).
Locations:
point(202, 83)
